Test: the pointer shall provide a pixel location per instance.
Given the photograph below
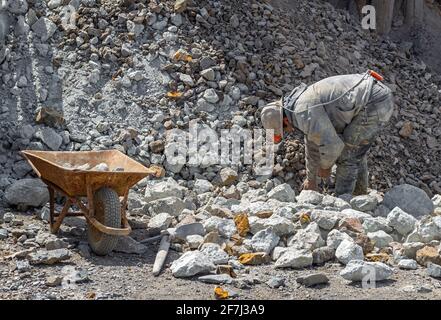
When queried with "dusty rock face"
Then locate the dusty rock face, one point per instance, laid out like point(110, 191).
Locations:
point(376, 224)
point(401, 221)
point(163, 189)
point(216, 279)
point(408, 264)
point(264, 241)
point(410, 249)
point(161, 221)
point(434, 270)
point(184, 230)
point(325, 219)
point(50, 138)
point(49, 257)
point(364, 203)
point(201, 186)
point(56, 244)
point(428, 229)
point(283, 193)
point(380, 238)
point(228, 176)
point(170, 205)
point(348, 251)
point(357, 270)
point(309, 196)
point(44, 28)
point(308, 238)
point(335, 237)
point(225, 227)
point(293, 258)
point(313, 279)
point(323, 255)
point(215, 253)
point(194, 241)
point(192, 263)
point(279, 225)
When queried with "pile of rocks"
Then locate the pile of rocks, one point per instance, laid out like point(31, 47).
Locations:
point(370, 236)
point(122, 75)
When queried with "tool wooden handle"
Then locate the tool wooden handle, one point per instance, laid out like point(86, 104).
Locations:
point(161, 255)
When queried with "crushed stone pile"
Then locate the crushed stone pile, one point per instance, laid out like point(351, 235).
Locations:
point(400, 229)
point(364, 236)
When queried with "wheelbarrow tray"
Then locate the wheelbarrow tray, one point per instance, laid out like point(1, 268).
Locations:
point(53, 166)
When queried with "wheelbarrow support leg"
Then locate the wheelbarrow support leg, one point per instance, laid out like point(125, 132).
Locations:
point(124, 221)
point(56, 226)
point(51, 205)
point(90, 204)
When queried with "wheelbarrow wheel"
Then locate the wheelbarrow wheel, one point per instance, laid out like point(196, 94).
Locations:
point(108, 212)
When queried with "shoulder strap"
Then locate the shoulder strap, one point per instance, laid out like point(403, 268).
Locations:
point(289, 101)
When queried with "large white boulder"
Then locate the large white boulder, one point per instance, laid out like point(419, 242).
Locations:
point(192, 263)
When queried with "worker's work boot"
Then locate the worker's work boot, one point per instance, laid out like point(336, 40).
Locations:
point(361, 186)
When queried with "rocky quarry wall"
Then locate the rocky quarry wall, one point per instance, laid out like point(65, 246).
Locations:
point(416, 22)
point(126, 73)
point(108, 78)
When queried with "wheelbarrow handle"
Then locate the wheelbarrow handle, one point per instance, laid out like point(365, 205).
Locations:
point(108, 230)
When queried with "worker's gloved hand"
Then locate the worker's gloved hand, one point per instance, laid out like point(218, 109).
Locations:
point(324, 173)
point(310, 185)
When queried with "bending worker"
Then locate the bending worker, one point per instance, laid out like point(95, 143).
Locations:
point(340, 117)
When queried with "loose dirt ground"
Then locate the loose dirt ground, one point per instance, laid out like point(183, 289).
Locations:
point(129, 276)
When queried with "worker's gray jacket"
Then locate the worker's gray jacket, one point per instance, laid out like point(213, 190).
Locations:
point(323, 125)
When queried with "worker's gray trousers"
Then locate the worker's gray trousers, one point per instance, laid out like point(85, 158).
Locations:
point(352, 170)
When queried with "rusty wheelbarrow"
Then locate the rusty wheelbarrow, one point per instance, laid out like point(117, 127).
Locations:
point(106, 192)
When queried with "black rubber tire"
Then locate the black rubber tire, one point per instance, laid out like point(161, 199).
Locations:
point(108, 212)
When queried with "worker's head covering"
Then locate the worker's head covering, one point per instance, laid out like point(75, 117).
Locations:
point(272, 118)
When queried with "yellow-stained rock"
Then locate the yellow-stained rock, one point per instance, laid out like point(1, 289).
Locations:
point(220, 293)
point(242, 224)
point(378, 257)
point(255, 258)
point(428, 254)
